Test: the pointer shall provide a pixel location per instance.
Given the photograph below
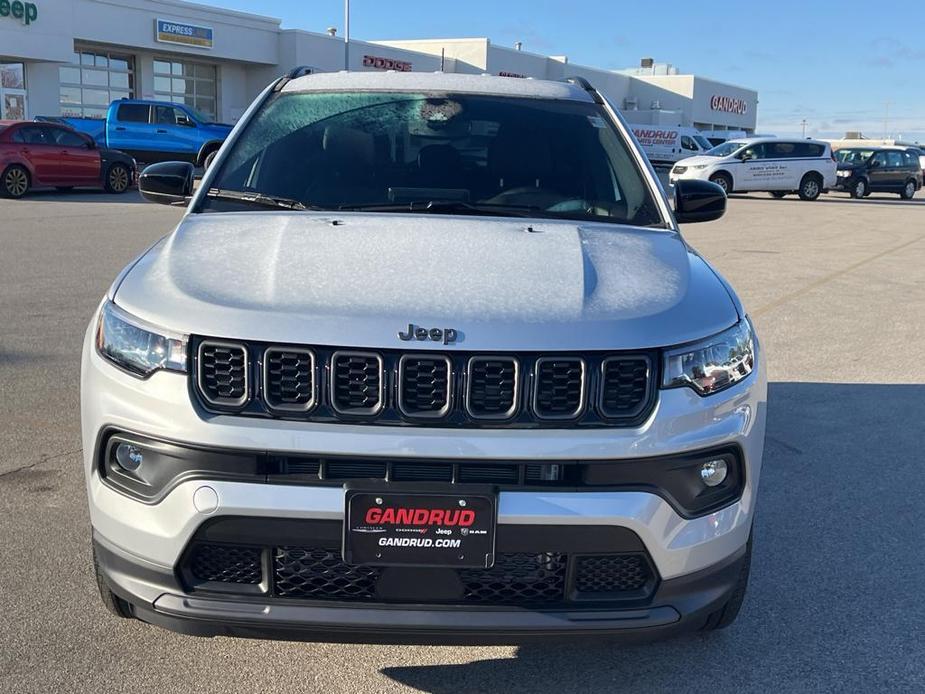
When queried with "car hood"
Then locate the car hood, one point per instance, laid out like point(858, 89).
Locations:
point(699, 159)
point(357, 279)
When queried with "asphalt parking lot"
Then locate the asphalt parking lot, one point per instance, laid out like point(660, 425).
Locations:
point(837, 290)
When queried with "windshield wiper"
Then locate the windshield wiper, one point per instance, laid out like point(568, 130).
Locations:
point(449, 207)
point(259, 199)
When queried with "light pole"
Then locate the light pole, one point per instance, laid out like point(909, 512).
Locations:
point(346, 34)
point(803, 123)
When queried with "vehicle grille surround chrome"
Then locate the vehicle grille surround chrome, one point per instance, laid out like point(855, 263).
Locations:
point(429, 388)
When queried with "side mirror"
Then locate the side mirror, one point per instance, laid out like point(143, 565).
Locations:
point(169, 183)
point(89, 144)
point(874, 163)
point(698, 201)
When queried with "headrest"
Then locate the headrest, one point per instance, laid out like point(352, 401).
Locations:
point(347, 145)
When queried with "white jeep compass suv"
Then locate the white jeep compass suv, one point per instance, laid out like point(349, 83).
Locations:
point(427, 359)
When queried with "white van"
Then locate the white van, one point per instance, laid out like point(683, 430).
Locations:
point(778, 166)
point(666, 145)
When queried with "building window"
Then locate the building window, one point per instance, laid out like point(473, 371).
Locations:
point(93, 80)
point(192, 84)
point(12, 91)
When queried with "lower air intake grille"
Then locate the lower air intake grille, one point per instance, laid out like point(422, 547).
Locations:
point(517, 578)
point(289, 379)
point(321, 574)
point(357, 386)
point(625, 386)
point(222, 373)
point(492, 390)
point(612, 573)
point(226, 564)
point(560, 387)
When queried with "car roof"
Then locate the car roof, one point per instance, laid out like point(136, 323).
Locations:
point(436, 82)
point(762, 140)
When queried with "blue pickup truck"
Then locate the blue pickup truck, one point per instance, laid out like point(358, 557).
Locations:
point(153, 131)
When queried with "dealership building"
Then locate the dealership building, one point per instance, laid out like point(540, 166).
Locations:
point(72, 57)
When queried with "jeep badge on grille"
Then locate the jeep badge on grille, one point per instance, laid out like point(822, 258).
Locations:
point(415, 332)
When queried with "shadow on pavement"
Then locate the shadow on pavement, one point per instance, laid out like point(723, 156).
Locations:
point(835, 600)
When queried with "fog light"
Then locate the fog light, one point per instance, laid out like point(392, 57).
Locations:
point(129, 457)
point(713, 472)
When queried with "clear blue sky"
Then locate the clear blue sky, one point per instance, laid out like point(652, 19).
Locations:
point(837, 65)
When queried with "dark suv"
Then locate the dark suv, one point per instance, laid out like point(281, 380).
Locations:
point(866, 170)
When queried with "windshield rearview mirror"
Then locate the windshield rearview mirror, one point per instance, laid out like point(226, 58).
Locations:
point(167, 183)
point(698, 201)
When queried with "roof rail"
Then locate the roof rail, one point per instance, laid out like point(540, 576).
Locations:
point(587, 86)
point(298, 71)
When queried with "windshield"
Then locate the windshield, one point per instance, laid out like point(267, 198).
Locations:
point(854, 156)
point(456, 154)
point(703, 142)
point(725, 149)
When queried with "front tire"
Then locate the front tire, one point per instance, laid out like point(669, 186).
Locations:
point(112, 602)
point(859, 189)
point(908, 191)
point(118, 178)
point(810, 187)
point(15, 182)
point(726, 615)
point(723, 181)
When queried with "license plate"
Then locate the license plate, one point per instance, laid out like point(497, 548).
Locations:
point(405, 528)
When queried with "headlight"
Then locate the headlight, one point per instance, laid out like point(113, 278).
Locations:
point(713, 364)
point(844, 173)
point(136, 346)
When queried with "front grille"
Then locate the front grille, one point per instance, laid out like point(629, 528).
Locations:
point(289, 379)
point(391, 387)
point(356, 383)
point(226, 564)
point(517, 578)
point(612, 573)
point(493, 383)
point(222, 373)
point(424, 387)
point(625, 386)
point(560, 387)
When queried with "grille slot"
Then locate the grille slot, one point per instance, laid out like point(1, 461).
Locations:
point(422, 472)
point(289, 379)
point(357, 383)
point(425, 385)
point(222, 373)
point(559, 392)
point(489, 473)
point(612, 573)
point(226, 564)
point(517, 578)
point(625, 386)
point(493, 387)
point(345, 470)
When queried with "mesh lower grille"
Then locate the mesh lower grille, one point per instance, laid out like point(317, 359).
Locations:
point(321, 573)
point(492, 387)
point(560, 389)
point(226, 564)
point(356, 383)
point(517, 578)
point(289, 379)
point(223, 373)
point(612, 573)
point(625, 386)
point(424, 386)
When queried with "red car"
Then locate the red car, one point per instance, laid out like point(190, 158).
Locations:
point(44, 154)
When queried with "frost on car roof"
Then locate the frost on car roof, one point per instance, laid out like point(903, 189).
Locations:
point(437, 82)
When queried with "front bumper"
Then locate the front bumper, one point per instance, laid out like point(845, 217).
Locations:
point(141, 545)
